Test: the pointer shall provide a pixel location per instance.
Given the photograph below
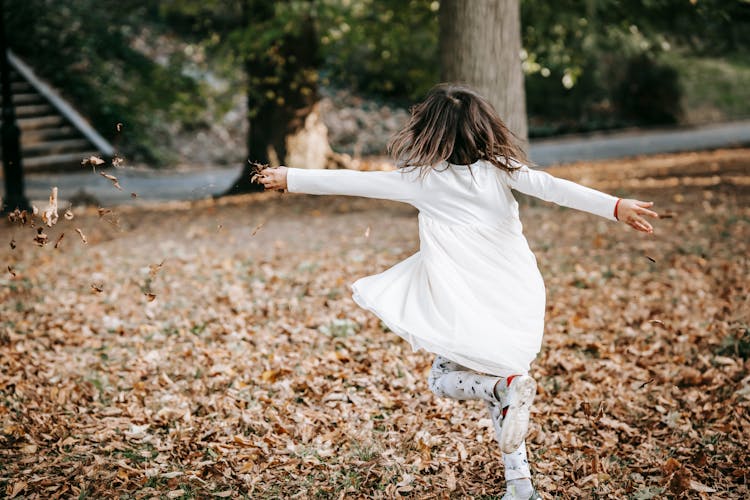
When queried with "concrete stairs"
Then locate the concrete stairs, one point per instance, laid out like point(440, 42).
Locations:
point(54, 137)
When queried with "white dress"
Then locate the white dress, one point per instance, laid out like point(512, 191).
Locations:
point(473, 292)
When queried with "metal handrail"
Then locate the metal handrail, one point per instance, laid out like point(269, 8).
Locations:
point(104, 147)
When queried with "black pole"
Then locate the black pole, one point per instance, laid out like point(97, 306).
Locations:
point(12, 167)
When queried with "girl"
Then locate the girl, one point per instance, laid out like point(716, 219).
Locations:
point(472, 294)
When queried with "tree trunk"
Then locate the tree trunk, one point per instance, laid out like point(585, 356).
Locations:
point(480, 44)
point(284, 125)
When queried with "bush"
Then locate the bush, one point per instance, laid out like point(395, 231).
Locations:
point(649, 92)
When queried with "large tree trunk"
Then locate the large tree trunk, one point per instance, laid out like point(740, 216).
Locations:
point(480, 44)
point(284, 125)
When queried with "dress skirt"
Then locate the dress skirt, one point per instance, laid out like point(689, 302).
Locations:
point(472, 294)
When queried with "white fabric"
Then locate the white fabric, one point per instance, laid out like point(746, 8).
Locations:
point(473, 292)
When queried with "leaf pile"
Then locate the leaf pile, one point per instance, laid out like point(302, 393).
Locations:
point(168, 359)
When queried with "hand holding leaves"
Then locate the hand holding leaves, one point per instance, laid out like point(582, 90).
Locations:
point(273, 178)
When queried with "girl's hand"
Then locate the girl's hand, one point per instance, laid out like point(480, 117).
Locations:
point(631, 212)
point(273, 178)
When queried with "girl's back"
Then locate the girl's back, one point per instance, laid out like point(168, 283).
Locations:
point(476, 194)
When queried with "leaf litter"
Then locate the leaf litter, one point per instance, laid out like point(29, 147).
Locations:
point(257, 375)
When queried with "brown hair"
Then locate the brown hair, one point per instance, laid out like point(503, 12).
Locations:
point(454, 124)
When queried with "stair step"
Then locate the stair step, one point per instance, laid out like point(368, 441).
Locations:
point(55, 147)
point(21, 87)
point(62, 161)
point(29, 137)
point(25, 98)
point(31, 110)
point(39, 122)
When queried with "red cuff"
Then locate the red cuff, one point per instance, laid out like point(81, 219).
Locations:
point(616, 205)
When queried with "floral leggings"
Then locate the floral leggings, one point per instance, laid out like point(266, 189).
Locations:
point(451, 380)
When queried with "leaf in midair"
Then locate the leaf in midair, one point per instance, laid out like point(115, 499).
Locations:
point(112, 178)
point(49, 216)
point(40, 238)
point(83, 236)
point(92, 161)
point(59, 240)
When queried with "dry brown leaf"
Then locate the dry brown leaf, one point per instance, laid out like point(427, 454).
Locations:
point(40, 238)
point(98, 288)
point(257, 228)
point(12, 273)
point(49, 216)
point(112, 178)
point(92, 161)
point(150, 296)
point(83, 237)
point(68, 214)
point(59, 240)
point(154, 268)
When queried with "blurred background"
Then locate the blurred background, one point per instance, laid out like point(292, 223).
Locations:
point(173, 83)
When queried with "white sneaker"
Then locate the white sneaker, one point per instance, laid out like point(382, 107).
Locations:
point(519, 398)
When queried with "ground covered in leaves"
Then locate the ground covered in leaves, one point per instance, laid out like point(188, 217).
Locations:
point(212, 349)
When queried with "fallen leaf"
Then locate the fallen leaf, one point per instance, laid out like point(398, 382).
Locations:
point(97, 288)
point(154, 268)
point(150, 296)
point(68, 214)
point(12, 273)
point(17, 488)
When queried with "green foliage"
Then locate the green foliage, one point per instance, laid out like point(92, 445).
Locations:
point(600, 64)
point(382, 47)
point(84, 48)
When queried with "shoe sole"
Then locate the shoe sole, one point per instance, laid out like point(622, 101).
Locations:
point(516, 420)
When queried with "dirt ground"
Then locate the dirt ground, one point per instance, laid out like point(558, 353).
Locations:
point(212, 349)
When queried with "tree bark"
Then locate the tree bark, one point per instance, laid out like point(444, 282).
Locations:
point(480, 45)
point(284, 125)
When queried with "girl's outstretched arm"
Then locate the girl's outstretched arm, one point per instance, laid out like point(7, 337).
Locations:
point(393, 185)
point(569, 194)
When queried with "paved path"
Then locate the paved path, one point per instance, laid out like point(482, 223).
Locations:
point(639, 142)
point(171, 185)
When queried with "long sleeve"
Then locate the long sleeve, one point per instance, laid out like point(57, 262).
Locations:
point(393, 185)
point(563, 192)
